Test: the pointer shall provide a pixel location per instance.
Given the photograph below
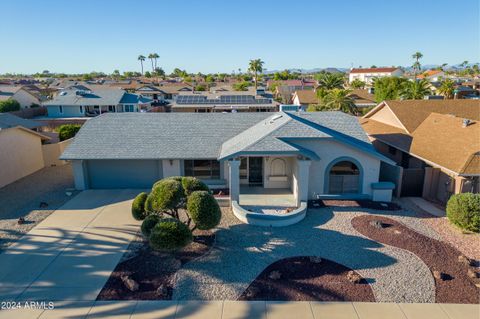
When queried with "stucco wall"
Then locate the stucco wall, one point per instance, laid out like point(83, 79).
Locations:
point(21, 155)
point(328, 150)
point(68, 111)
point(171, 168)
point(386, 116)
point(272, 177)
point(51, 152)
point(25, 99)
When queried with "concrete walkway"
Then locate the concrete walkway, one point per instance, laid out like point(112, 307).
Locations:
point(427, 206)
point(246, 310)
point(71, 254)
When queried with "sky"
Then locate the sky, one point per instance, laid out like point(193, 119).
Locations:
point(212, 36)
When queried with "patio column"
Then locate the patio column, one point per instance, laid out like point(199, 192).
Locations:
point(303, 171)
point(234, 179)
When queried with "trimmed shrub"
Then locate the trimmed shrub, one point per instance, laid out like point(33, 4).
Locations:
point(463, 210)
point(148, 223)
point(170, 234)
point(166, 194)
point(9, 105)
point(67, 131)
point(204, 210)
point(192, 184)
point(138, 206)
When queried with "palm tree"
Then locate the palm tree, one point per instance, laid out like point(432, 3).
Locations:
point(155, 56)
point(464, 64)
point(340, 100)
point(141, 58)
point(416, 65)
point(329, 81)
point(443, 66)
point(256, 66)
point(447, 88)
point(151, 57)
point(415, 90)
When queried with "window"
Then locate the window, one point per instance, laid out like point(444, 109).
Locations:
point(243, 168)
point(60, 108)
point(204, 169)
point(129, 108)
point(392, 150)
point(81, 109)
point(344, 178)
point(111, 108)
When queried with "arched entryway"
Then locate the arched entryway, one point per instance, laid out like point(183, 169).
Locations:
point(344, 176)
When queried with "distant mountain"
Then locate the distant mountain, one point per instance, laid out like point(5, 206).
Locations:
point(308, 71)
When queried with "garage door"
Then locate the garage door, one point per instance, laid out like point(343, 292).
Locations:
point(123, 173)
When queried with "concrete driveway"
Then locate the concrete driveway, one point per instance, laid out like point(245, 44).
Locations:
point(70, 255)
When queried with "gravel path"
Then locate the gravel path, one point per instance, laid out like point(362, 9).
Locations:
point(243, 251)
point(23, 197)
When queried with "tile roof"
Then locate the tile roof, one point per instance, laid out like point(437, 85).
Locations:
point(373, 70)
point(361, 96)
point(8, 120)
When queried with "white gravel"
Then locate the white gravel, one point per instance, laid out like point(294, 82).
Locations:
point(23, 197)
point(243, 251)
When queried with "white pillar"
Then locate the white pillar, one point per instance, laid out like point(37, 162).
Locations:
point(234, 179)
point(303, 173)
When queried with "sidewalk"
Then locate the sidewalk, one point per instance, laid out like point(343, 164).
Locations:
point(426, 206)
point(246, 310)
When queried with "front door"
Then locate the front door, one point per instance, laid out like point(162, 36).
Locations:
point(255, 171)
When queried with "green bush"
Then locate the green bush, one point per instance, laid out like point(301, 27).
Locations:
point(204, 210)
point(170, 234)
point(67, 131)
point(9, 105)
point(166, 194)
point(463, 210)
point(138, 206)
point(192, 184)
point(148, 223)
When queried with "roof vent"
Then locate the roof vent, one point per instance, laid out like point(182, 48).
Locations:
point(276, 117)
point(63, 93)
point(466, 122)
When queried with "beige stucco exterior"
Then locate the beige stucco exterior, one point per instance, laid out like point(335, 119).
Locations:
point(21, 154)
point(386, 116)
point(25, 99)
point(51, 153)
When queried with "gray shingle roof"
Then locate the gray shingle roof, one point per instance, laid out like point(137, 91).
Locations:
point(8, 120)
point(158, 135)
point(95, 97)
point(209, 135)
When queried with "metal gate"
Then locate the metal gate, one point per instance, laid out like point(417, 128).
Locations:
point(412, 181)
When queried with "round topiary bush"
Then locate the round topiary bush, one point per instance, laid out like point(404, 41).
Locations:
point(463, 210)
point(170, 234)
point(166, 194)
point(192, 184)
point(138, 206)
point(204, 210)
point(148, 223)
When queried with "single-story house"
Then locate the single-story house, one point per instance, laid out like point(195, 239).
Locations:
point(21, 148)
point(74, 102)
point(309, 155)
point(363, 98)
point(304, 98)
point(435, 142)
point(432, 75)
point(26, 95)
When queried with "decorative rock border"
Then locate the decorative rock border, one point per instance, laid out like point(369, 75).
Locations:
point(257, 219)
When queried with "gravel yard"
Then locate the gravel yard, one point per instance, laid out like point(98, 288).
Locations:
point(24, 198)
point(243, 251)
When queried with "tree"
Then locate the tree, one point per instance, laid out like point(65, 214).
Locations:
point(464, 64)
point(357, 84)
point(151, 56)
point(447, 88)
point(256, 66)
point(200, 88)
point(415, 90)
point(204, 210)
point(155, 56)
point(67, 131)
point(116, 74)
point(159, 72)
point(329, 81)
point(241, 86)
point(9, 105)
point(387, 88)
point(339, 100)
point(148, 74)
point(141, 58)
point(416, 65)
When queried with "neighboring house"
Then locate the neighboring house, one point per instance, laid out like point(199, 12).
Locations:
point(151, 92)
point(172, 90)
point(205, 102)
point(309, 155)
point(436, 142)
point(26, 95)
point(432, 75)
point(367, 75)
point(304, 98)
point(363, 98)
point(76, 102)
point(21, 148)
point(286, 88)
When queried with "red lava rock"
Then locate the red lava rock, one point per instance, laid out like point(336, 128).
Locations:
point(21, 221)
point(465, 260)
point(354, 277)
